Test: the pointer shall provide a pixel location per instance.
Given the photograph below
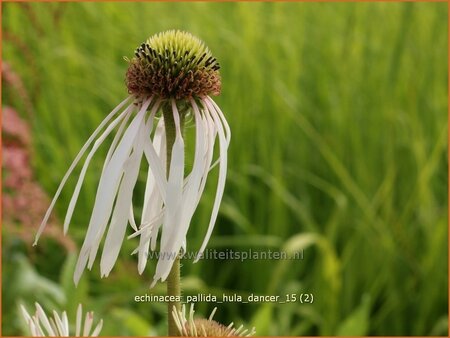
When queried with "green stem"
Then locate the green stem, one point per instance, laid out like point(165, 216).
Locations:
point(173, 289)
point(173, 280)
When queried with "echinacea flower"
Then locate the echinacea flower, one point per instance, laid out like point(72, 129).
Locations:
point(41, 325)
point(201, 327)
point(171, 77)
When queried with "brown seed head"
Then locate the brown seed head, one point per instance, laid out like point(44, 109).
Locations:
point(173, 64)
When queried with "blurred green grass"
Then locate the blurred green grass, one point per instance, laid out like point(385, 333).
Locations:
point(339, 120)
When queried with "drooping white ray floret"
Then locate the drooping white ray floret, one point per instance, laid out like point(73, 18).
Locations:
point(107, 191)
point(153, 202)
point(73, 165)
point(223, 145)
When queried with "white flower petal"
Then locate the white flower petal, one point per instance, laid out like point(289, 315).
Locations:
point(53, 324)
point(222, 118)
point(131, 219)
point(177, 319)
point(177, 233)
point(208, 145)
point(34, 330)
point(150, 184)
point(106, 192)
point(149, 233)
point(147, 226)
point(117, 137)
point(96, 242)
point(25, 313)
point(157, 168)
point(65, 321)
point(222, 176)
point(152, 198)
point(59, 324)
point(97, 329)
point(43, 318)
point(191, 321)
point(97, 144)
point(198, 172)
point(37, 327)
point(72, 166)
point(88, 323)
point(116, 231)
point(173, 200)
point(211, 132)
point(212, 106)
point(79, 319)
point(30, 321)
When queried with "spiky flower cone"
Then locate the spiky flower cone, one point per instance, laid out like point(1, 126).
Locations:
point(173, 64)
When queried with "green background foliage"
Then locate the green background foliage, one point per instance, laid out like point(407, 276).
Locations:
point(338, 114)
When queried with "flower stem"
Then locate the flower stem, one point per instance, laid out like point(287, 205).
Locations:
point(173, 289)
point(173, 280)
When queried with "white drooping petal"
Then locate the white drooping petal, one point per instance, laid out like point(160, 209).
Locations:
point(117, 168)
point(173, 201)
point(145, 227)
point(211, 132)
point(74, 163)
point(129, 160)
point(223, 145)
point(106, 192)
point(98, 142)
point(152, 199)
point(222, 118)
point(131, 219)
point(116, 232)
point(157, 144)
point(157, 167)
point(159, 197)
point(177, 234)
point(212, 105)
point(117, 137)
point(199, 169)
